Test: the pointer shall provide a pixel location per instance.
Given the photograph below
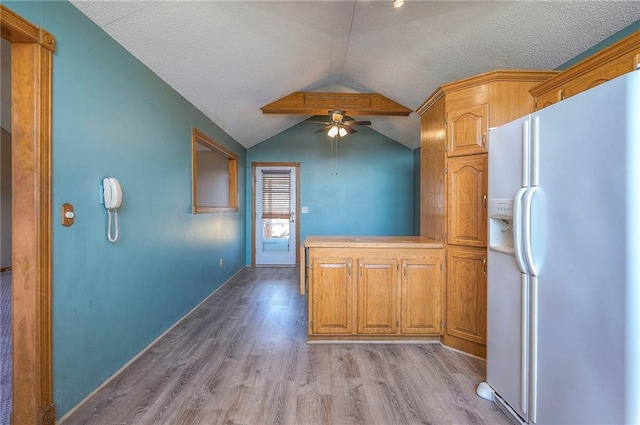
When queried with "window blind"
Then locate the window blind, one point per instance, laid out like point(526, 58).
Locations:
point(276, 194)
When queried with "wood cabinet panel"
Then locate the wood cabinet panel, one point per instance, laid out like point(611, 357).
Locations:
point(377, 296)
point(467, 130)
point(597, 76)
point(467, 209)
point(611, 62)
point(331, 296)
point(422, 290)
point(433, 154)
point(467, 294)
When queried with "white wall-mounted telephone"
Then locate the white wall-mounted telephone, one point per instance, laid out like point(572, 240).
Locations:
point(112, 193)
point(112, 199)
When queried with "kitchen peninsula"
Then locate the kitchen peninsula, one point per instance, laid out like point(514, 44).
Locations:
point(373, 287)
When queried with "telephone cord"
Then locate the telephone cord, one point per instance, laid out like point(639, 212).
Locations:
point(115, 237)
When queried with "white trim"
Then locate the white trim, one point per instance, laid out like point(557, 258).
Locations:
point(144, 350)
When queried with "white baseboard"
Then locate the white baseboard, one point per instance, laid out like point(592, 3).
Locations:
point(144, 350)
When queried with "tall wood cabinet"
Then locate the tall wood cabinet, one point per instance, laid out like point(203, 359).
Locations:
point(455, 122)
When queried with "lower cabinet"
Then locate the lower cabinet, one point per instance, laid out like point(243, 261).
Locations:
point(466, 318)
point(377, 296)
point(376, 293)
point(423, 295)
point(331, 297)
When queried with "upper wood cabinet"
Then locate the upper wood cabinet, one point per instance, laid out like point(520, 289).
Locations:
point(467, 130)
point(467, 200)
point(609, 63)
point(454, 123)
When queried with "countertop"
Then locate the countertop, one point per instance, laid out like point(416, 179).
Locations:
point(371, 241)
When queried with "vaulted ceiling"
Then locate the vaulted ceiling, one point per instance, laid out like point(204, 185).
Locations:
point(230, 58)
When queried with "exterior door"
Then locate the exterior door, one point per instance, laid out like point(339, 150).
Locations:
point(275, 207)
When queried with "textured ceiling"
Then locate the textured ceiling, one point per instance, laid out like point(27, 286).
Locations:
point(229, 58)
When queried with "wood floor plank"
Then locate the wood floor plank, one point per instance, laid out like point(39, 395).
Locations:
point(242, 358)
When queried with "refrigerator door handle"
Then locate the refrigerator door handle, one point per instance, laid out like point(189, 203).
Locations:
point(535, 151)
point(526, 147)
point(517, 229)
point(526, 225)
point(533, 360)
point(524, 344)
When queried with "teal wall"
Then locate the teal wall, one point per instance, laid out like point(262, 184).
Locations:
point(113, 117)
point(366, 189)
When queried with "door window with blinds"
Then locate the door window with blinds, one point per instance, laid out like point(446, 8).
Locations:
point(275, 211)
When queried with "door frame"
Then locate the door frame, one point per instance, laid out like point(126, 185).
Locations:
point(254, 167)
point(31, 65)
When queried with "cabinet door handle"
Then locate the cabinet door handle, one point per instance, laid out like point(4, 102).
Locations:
point(349, 268)
point(404, 269)
point(484, 203)
point(484, 140)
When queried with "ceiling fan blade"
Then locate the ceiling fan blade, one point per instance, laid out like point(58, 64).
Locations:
point(357, 122)
point(350, 130)
point(325, 128)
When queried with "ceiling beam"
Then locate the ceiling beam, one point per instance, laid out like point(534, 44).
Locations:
point(320, 103)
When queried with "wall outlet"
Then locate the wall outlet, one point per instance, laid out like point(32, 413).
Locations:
point(305, 210)
point(221, 263)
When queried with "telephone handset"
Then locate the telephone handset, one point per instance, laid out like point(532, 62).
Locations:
point(112, 199)
point(112, 193)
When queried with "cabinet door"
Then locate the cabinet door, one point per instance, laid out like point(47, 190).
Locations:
point(377, 296)
point(422, 296)
point(467, 294)
point(331, 297)
point(467, 200)
point(467, 130)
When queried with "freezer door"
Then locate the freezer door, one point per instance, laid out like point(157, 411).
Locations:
point(507, 331)
point(507, 286)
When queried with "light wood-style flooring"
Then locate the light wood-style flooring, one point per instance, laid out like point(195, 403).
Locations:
point(242, 358)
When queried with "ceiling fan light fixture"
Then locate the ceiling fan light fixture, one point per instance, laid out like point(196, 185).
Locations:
point(342, 132)
point(336, 116)
point(333, 131)
point(397, 3)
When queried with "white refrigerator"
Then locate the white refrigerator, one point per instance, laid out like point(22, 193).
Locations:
point(563, 318)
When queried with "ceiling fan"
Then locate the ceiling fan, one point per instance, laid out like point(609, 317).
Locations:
point(337, 126)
